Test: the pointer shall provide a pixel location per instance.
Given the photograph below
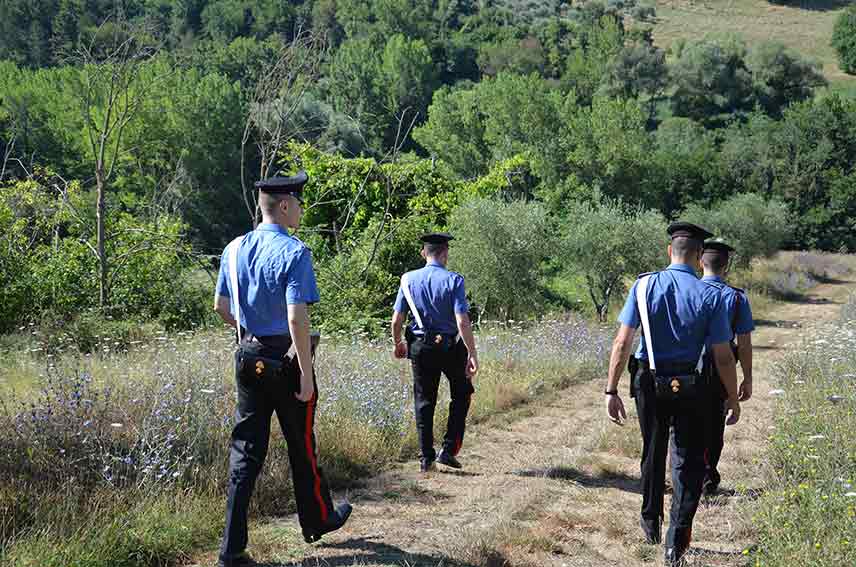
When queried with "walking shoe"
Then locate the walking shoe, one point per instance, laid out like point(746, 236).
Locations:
point(240, 560)
point(427, 466)
point(651, 528)
point(334, 522)
point(711, 483)
point(444, 458)
point(674, 557)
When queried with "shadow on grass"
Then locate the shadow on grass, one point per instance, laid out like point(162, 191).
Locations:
point(814, 5)
point(779, 323)
point(620, 481)
point(723, 496)
point(371, 551)
point(711, 554)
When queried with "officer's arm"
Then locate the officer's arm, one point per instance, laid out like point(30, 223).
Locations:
point(298, 327)
point(744, 354)
point(223, 307)
point(622, 346)
point(465, 327)
point(724, 360)
point(397, 326)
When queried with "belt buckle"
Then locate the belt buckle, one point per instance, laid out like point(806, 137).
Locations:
point(676, 385)
point(438, 339)
point(260, 368)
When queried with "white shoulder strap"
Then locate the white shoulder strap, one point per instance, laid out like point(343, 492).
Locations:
point(233, 249)
point(642, 304)
point(405, 287)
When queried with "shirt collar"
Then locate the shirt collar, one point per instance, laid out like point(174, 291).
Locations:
point(682, 268)
point(271, 227)
point(435, 263)
point(713, 279)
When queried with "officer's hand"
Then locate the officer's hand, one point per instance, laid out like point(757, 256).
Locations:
point(307, 388)
point(733, 413)
point(472, 367)
point(615, 409)
point(400, 350)
point(745, 391)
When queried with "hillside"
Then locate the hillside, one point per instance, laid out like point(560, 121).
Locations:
point(804, 25)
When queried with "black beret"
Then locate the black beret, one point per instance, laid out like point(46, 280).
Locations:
point(436, 238)
point(292, 184)
point(718, 245)
point(688, 230)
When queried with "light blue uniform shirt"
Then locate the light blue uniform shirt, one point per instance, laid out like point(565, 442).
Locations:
point(274, 271)
point(739, 314)
point(683, 312)
point(438, 295)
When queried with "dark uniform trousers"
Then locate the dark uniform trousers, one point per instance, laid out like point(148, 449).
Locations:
point(687, 422)
point(257, 401)
point(717, 411)
point(429, 360)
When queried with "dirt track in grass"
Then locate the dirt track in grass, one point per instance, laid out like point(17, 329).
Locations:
point(557, 487)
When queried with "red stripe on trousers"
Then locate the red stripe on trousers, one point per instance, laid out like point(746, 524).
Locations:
point(312, 461)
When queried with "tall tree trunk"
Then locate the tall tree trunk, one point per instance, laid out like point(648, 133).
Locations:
point(103, 294)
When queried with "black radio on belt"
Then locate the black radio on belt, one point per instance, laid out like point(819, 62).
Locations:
point(268, 358)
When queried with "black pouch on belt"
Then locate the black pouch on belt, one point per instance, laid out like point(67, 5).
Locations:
point(682, 387)
point(260, 363)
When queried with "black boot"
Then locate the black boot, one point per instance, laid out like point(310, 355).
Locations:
point(427, 466)
point(674, 557)
point(446, 458)
point(651, 529)
point(240, 560)
point(334, 522)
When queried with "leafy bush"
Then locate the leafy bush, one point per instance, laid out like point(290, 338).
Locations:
point(844, 40)
point(499, 247)
point(753, 225)
point(608, 242)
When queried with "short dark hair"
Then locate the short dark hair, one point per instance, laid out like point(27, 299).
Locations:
point(435, 249)
point(684, 246)
point(715, 262)
point(268, 202)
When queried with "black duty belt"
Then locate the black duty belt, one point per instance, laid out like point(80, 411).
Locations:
point(665, 368)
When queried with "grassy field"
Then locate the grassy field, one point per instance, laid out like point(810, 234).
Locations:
point(119, 458)
point(804, 25)
point(807, 515)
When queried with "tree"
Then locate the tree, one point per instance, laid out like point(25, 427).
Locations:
point(639, 69)
point(781, 77)
point(608, 242)
point(751, 224)
point(502, 266)
point(278, 93)
point(113, 89)
point(712, 80)
point(844, 39)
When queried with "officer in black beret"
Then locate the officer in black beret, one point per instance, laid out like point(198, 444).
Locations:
point(678, 314)
point(438, 340)
point(265, 284)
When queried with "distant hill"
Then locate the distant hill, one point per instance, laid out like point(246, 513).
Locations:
point(804, 25)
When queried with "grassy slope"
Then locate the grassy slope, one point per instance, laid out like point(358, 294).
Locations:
point(804, 25)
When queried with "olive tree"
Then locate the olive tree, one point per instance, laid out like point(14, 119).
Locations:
point(607, 242)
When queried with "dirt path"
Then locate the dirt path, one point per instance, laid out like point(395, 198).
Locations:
point(558, 488)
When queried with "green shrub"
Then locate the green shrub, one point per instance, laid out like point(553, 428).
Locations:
point(499, 248)
point(753, 225)
point(844, 40)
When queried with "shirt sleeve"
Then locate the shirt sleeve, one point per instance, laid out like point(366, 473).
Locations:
point(300, 284)
point(745, 322)
point(459, 294)
point(400, 302)
point(630, 312)
point(223, 277)
point(719, 328)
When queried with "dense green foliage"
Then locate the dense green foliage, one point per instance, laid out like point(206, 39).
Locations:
point(401, 110)
point(844, 40)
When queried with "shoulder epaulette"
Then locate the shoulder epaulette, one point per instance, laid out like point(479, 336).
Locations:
point(737, 289)
point(718, 285)
point(640, 276)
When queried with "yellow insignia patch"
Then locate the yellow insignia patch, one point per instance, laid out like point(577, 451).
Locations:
point(260, 367)
point(438, 339)
point(676, 385)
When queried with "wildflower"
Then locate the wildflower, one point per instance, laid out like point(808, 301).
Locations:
point(116, 425)
point(776, 392)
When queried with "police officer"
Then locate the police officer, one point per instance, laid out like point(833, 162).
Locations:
point(678, 313)
point(438, 340)
point(266, 282)
point(714, 261)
